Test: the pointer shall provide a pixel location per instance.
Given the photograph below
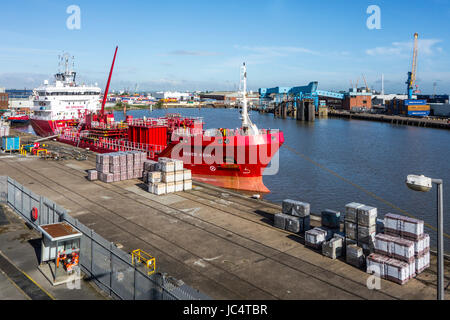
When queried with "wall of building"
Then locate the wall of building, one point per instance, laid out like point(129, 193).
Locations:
point(3, 100)
point(357, 101)
point(20, 104)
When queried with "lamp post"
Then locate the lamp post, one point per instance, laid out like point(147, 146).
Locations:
point(424, 184)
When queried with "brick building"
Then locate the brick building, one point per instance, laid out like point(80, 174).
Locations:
point(357, 98)
point(3, 100)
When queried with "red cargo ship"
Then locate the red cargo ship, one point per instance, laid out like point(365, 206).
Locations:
point(230, 158)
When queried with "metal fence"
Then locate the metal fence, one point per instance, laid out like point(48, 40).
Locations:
point(102, 262)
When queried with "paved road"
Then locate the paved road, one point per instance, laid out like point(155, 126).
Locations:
point(215, 241)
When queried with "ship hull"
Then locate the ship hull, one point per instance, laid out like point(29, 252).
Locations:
point(241, 167)
point(45, 128)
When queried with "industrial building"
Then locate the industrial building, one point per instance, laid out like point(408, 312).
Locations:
point(357, 98)
point(20, 99)
point(230, 97)
point(178, 96)
point(3, 99)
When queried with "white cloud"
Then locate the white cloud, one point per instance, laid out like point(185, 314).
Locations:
point(192, 53)
point(277, 51)
point(425, 47)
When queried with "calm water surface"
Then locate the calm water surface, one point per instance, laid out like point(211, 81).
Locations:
point(371, 156)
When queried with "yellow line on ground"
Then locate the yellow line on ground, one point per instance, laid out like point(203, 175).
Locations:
point(361, 188)
point(26, 275)
point(15, 285)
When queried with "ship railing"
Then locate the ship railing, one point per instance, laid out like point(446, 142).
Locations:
point(113, 125)
point(123, 145)
point(190, 132)
point(149, 122)
point(114, 144)
point(186, 132)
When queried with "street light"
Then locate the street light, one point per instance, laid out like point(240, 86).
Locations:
point(424, 184)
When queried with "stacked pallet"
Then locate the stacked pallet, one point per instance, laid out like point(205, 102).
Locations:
point(403, 251)
point(360, 225)
point(354, 255)
point(413, 230)
point(389, 268)
point(118, 166)
point(333, 248)
point(295, 216)
point(315, 238)
point(166, 176)
point(330, 220)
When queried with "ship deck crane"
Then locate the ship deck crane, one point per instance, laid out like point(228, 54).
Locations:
point(412, 74)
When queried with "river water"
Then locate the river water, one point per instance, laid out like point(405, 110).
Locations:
point(338, 161)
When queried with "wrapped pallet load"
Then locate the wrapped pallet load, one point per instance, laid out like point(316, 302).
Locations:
point(157, 188)
point(92, 175)
point(390, 269)
point(295, 216)
point(187, 185)
point(367, 216)
point(394, 247)
point(354, 255)
point(351, 212)
point(422, 262)
point(295, 208)
point(333, 248)
point(351, 230)
point(402, 226)
point(422, 245)
point(314, 238)
point(279, 220)
point(330, 219)
point(167, 165)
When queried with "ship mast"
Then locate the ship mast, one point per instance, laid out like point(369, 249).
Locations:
point(247, 125)
point(105, 95)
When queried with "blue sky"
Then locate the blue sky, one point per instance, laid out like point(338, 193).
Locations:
point(200, 45)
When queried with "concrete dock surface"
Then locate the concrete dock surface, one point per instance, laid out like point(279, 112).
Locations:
point(217, 241)
point(20, 278)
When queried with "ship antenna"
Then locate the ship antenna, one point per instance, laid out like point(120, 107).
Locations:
point(105, 95)
point(246, 122)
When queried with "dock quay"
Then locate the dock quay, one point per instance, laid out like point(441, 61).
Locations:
point(215, 240)
point(392, 119)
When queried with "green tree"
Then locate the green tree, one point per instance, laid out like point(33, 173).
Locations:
point(159, 105)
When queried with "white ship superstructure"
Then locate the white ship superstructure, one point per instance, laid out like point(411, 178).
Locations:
point(64, 99)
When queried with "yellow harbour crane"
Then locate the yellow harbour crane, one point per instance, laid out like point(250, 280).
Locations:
point(411, 82)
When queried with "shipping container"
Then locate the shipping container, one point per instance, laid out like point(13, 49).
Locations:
point(11, 143)
point(414, 102)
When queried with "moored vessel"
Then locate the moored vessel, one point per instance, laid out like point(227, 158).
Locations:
point(230, 158)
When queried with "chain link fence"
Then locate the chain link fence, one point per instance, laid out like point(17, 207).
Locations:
point(101, 261)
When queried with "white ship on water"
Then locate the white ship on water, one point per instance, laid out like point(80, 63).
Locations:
point(63, 102)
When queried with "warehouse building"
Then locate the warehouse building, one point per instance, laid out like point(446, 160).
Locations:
point(3, 99)
point(357, 98)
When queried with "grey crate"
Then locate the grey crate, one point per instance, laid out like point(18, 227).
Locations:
point(333, 248)
point(279, 221)
point(296, 208)
point(367, 216)
point(293, 224)
point(351, 212)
